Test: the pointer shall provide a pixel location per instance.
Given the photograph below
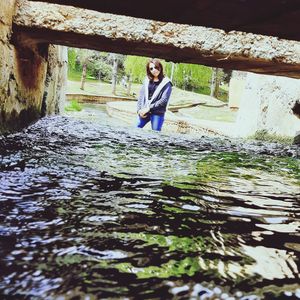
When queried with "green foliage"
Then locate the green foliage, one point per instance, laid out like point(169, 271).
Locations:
point(135, 66)
point(99, 64)
point(101, 70)
point(74, 75)
point(72, 55)
point(187, 76)
point(205, 90)
point(191, 77)
point(188, 266)
point(223, 95)
point(218, 167)
point(173, 243)
point(73, 106)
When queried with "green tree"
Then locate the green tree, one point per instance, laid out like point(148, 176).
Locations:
point(72, 55)
point(99, 66)
point(186, 76)
point(83, 56)
point(117, 61)
point(190, 76)
point(135, 67)
point(79, 59)
point(215, 82)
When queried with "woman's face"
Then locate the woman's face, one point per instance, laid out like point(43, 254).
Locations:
point(154, 70)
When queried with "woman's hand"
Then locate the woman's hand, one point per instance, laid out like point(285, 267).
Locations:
point(143, 112)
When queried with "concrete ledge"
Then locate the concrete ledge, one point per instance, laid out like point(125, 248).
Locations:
point(101, 99)
point(176, 108)
point(126, 111)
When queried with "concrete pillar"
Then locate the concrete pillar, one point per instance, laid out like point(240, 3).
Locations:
point(236, 88)
point(267, 104)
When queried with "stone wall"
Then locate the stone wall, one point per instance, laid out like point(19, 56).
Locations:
point(56, 79)
point(28, 76)
point(267, 104)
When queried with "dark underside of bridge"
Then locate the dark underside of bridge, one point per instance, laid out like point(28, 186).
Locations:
point(268, 17)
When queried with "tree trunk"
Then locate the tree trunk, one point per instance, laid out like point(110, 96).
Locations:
point(129, 85)
point(214, 86)
point(114, 75)
point(83, 76)
point(172, 71)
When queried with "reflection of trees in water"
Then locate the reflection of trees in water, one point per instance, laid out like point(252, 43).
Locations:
point(211, 257)
point(248, 189)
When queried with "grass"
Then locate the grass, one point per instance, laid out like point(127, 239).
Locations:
point(222, 95)
point(76, 76)
point(96, 87)
point(73, 106)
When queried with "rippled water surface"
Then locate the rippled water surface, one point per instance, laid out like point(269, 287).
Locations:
point(93, 211)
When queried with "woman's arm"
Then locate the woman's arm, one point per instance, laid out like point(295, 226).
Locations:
point(164, 99)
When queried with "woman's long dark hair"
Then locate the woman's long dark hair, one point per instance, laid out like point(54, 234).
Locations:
point(159, 67)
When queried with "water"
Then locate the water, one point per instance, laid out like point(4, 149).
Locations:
point(91, 211)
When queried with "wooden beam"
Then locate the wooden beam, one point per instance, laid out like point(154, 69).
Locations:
point(268, 17)
point(36, 22)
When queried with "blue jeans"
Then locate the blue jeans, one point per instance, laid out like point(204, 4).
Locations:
point(156, 121)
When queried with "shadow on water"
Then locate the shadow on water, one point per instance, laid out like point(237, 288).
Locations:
point(97, 211)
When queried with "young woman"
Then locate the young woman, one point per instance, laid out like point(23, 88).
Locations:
point(154, 96)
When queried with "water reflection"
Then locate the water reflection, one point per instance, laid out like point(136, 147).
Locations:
point(95, 211)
